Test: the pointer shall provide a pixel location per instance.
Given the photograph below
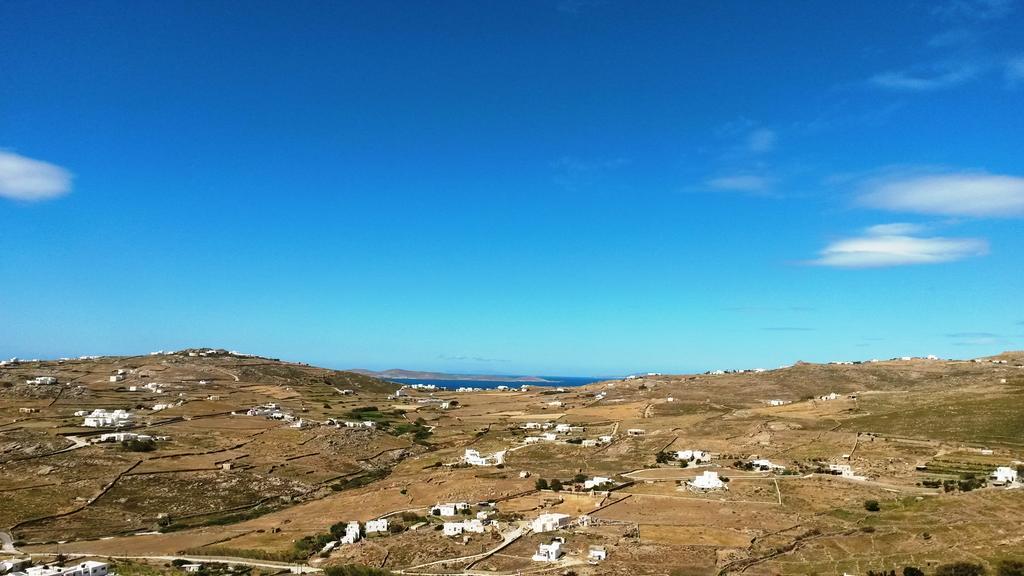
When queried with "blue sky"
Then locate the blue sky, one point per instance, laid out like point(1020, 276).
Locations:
point(553, 187)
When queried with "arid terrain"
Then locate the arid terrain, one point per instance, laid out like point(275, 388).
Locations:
point(251, 459)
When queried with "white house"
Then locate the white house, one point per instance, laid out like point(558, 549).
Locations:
point(562, 428)
point(450, 509)
point(531, 426)
point(696, 456)
point(100, 418)
point(1003, 475)
point(597, 554)
point(830, 396)
point(550, 522)
point(555, 403)
point(846, 471)
point(768, 465)
point(452, 528)
point(373, 526)
point(708, 481)
point(117, 378)
point(589, 443)
point(532, 439)
point(636, 432)
point(88, 568)
point(605, 439)
point(473, 458)
point(548, 552)
point(42, 380)
point(192, 568)
point(596, 482)
point(352, 533)
point(777, 402)
point(548, 437)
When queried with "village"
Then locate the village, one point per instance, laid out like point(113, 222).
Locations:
point(309, 468)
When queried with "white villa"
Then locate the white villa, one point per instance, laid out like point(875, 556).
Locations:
point(708, 481)
point(830, 396)
point(1003, 475)
point(605, 439)
point(101, 418)
point(696, 456)
point(562, 428)
point(548, 552)
point(636, 432)
point(846, 471)
point(596, 482)
point(352, 534)
point(768, 465)
point(473, 458)
point(88, 568)
point(42, 380)
point(373, 526)
point(531, 426)
point(550, 522)
point(589, 443)
point(450, 509)
point(597, 554)
point(777, 402)
point(458, 528)
point(548, 437)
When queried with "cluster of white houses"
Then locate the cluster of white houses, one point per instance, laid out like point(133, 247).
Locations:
point(353, 533)
point(41, 380)
point(102, 418)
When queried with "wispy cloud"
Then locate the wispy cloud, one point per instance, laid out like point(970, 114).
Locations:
point(761, 140)
point(29, 180)
point(1014, 72)
point(895, 229)
point(874, 250)
point(741, 183)
point(927, 78)
point(971, 194)
point(973, 9)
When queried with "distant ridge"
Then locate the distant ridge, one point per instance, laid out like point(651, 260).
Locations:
point(400, 374)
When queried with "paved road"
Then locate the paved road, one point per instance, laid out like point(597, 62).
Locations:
point(295, 568)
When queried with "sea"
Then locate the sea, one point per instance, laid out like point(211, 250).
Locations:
point(553, 381)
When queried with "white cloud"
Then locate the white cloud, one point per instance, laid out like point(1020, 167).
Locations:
point(761, 140)
point(741, 183)
point(874, 250)
point(925, 80)
point(895, 229)
point(26, 179)
point(971, 194)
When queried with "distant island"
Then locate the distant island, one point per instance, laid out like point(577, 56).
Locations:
point(399, 374)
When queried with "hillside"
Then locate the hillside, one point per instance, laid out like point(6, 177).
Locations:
point(257, 458)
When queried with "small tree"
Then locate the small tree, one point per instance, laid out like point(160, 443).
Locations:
point(1010, 568)
point(960, 569)
point(872, 505)
point(541, 484)
point(579, 478)
point(912, 571)
point(556, 485)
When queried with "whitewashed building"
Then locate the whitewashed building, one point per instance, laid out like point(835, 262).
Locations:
point(596, 482)
point(550, 522)
point(474, 458)
point(1003, 476)
point(550, 552)
point(450, 508)
point(374, 526)
point(696, 456)
point(708, 481)
point(101, 418)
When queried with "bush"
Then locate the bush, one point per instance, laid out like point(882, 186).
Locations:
point(556, 485)
point(912, 571)
point(541, 484)
point(355, 570)
point(960, 569)
point(138, 444)
point(1010, 568)
point(872, 505)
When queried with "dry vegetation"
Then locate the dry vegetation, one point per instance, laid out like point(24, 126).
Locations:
point(227, 484)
